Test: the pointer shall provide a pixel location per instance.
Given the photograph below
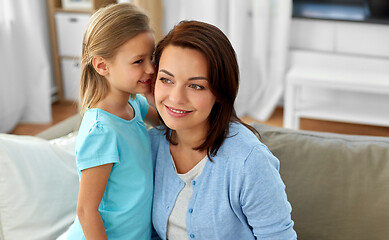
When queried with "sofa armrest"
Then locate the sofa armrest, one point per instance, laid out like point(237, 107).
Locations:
point(62, 128)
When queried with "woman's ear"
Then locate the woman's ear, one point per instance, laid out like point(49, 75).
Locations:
point(100, 65)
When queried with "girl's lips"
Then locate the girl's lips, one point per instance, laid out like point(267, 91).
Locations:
point(176, 112)
point(148, 81)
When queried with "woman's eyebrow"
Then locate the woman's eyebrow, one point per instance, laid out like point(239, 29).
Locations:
point(192, 78)
point(167, 72)
point(198, 78)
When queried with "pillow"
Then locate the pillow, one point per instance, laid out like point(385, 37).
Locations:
point(38, 187)
point(338, 185)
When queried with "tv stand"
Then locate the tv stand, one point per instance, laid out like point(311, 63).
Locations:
point(338, 71)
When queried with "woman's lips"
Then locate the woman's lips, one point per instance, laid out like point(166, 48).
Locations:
point(176, 112)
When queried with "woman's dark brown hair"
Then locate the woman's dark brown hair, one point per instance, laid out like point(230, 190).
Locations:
point(223, 76)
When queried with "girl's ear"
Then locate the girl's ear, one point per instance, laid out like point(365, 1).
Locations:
point(100, 65)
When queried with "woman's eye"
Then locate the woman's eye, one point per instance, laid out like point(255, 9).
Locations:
point(139, 61)
point(165, 80)
point(196, 86)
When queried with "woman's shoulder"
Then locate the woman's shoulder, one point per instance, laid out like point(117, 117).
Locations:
point(240, 143)
point(156, 132)
point(240, 137)
point(157, 135)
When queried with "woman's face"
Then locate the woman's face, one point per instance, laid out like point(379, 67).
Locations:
point(182, 93)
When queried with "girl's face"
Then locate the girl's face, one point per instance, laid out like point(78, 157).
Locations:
point(182, 93)
point(132, 69)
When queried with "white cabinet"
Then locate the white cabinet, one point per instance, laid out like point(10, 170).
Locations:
point(68, 20)
point(338, 71)
point(313, 35)
point(371, 40)
point(70, 32)
point(70, 78)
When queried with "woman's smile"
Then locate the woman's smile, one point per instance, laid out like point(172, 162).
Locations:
point(174, 112)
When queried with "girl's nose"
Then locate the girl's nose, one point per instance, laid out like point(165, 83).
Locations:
point(150, 68)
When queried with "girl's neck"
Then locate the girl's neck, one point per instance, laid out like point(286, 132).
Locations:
point(117, 105)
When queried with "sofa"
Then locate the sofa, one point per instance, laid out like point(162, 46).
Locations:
point(338, 185)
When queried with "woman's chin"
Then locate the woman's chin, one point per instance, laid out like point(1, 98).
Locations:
point(173, 126)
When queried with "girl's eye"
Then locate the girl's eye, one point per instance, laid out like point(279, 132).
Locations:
point(165, 80)
point(139, 61)
point(196, 86)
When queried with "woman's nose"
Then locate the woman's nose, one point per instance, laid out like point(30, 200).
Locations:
point(177, 95)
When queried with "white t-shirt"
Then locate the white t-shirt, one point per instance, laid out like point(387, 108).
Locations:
point(176, 226)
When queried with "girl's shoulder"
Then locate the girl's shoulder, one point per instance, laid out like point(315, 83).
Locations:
point(94, 122)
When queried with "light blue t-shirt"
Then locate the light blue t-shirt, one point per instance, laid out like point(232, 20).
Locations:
point(240, 195)
point(126, 204)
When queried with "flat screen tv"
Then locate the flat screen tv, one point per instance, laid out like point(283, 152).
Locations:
point(342, 9)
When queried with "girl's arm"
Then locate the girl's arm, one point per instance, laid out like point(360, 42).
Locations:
point(92, 186)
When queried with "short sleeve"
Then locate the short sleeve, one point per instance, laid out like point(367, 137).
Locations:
point(143, 105)
point(263, 197)
point(98, 147)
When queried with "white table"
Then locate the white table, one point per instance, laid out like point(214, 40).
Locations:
point(344, 74)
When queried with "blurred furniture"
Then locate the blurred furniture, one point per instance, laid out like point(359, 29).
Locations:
point(342, 73)
point(337, 184)
point(68, 20)
point(338, 71)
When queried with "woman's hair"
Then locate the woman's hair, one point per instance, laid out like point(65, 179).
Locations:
point(107, 30)
point(223, 76)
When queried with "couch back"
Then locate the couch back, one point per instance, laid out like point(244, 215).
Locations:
point(338, 185)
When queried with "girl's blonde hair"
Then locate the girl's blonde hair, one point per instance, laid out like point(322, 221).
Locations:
point(107, 30)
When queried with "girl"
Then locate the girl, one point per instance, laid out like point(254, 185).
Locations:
point(213, 178)
point(113, 148)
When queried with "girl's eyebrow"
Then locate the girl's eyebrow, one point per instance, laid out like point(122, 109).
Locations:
point(192, 78)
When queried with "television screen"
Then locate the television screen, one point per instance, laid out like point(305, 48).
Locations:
point(352, 10)
point(334, 1)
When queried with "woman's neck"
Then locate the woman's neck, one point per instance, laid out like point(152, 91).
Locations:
point(184, 155)
point(189, 138)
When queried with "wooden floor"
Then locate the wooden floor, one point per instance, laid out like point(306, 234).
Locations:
point(63, 110)
point(326, 126)
point(60, 111)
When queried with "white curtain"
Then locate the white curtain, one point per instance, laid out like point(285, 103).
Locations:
point(259, 33)
point(25, 64)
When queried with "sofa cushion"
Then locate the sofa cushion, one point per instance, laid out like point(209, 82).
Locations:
point(38, 187)
point(338, 185)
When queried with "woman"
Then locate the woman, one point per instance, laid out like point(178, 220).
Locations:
point(213, 178)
